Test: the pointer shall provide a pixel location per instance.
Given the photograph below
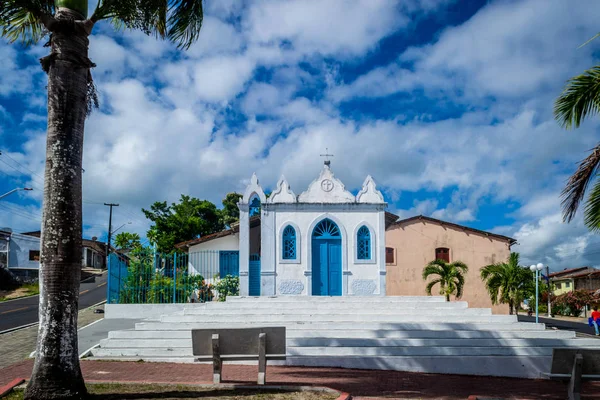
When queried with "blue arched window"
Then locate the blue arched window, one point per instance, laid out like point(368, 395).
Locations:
point(363, 243)
point(289, 243)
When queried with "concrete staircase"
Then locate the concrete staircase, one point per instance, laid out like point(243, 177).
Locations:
point(423, 334)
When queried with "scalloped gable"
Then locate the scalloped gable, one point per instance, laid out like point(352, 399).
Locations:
point(369, 193)
point(326, 189)
point(283, 193)
point(252, 189)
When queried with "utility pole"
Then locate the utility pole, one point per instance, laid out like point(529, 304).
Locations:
point(549, 291)
point(111, 205)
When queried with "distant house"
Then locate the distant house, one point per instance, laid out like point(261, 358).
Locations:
point(20, 252)
point(568, 280)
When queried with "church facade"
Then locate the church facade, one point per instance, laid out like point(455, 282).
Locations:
point(323, 242)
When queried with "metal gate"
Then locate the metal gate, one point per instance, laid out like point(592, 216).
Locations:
point(117, 274)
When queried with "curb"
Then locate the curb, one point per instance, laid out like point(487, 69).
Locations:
point(4, 390)
point(290, 388)
point(35, 323)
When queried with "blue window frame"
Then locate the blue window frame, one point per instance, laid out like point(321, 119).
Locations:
point(363, 240)
point(289, 243)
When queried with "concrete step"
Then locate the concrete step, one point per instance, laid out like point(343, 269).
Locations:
point(141, 353)
point(258, 305)
point(398, 326)
point(509, 366)
point(359, 342)
point(358, 318)
point(364, 334)
point(438, 312)
point(340, 299)
point(326, 351)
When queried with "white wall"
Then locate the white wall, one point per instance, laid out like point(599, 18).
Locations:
point(360, 277)
point(20, 245)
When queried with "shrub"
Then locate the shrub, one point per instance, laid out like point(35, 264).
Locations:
point(228, 286)
point(572, 303)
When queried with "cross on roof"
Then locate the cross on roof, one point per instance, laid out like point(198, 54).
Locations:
point(327, 155)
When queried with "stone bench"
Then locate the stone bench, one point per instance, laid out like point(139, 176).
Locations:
point(575, 365)
point(239, 344)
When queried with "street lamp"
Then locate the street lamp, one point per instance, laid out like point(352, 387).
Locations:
point(128, 223)
point(12, 191)
point(536, 269)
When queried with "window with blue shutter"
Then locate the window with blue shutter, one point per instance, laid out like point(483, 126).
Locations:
point(363, 240)
point(289, 243)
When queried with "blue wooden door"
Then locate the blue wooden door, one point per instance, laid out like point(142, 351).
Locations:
point(254, 275)
point(229, 263)
point(335, 268)
point(327, 268)
point(326, 259)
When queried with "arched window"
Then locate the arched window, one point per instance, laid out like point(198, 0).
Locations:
point(442, 253)
point(289, 243)
point(363, 243)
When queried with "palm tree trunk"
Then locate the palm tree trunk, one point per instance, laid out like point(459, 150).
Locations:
point(447, 297)
point(510, 307)
point(56, 372)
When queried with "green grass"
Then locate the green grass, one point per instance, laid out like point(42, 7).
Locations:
point(113, 391)
point(30, 289)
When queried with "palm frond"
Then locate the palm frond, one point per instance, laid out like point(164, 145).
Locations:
point(592, 209)
point(433, 268)
point(580, 98)
point(179, 21)
point(185, 22)
point(459, 265)
point(431, 284)
point(574, 191)
point(21, 20)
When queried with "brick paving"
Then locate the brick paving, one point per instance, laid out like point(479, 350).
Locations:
point(362, 384)
point(18, 345)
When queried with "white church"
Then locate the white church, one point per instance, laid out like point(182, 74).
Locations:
point(323, 242)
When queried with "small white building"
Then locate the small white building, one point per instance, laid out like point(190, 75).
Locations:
point(325, 241)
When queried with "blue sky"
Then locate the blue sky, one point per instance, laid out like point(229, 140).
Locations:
point(446, 103)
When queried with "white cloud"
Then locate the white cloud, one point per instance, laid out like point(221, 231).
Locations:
point(507, 48)
point(221, 78)
point(328, 27)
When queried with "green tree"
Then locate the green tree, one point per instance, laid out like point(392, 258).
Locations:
point(127, 241)
point(186, 220)
point(580, 99)
point(71, 95)
point(450, 277)
point(230, 212)
point(508, 282)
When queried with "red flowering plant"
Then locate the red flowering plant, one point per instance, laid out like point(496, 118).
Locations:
point(572, 303)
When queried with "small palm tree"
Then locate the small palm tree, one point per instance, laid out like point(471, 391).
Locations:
point(508, 282)
point(580, 99)
point(71, 96)
point(450, 277)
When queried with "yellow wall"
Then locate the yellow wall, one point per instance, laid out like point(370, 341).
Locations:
point(414, 246)
point(563, 289)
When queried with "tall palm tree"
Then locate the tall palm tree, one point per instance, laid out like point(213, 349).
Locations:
point(71, 96)
point(508, 282)
point(580, 99)
point(450, 277)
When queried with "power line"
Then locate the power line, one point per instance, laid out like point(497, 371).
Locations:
point(18, 163)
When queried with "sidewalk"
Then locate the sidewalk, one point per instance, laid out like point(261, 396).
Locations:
point(359, 383)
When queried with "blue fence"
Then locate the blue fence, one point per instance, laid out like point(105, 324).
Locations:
point(175, 278)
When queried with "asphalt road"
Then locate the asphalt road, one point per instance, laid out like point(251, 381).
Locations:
point(15, 313)
point(561, 324)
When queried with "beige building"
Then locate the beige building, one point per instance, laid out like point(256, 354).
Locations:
point(412, 243)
